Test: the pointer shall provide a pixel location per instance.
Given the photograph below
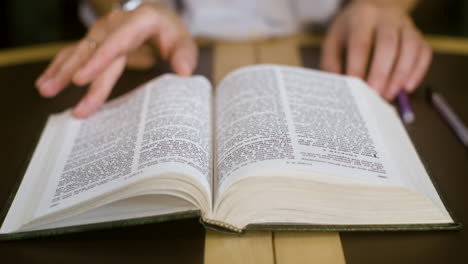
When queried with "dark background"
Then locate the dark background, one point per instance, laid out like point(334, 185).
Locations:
point(28, 22)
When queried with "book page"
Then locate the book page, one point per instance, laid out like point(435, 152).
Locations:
point(404, 153)
point(284, 119)
point(177, 126)
point(251, 123)
point(164, 127)
point(334, 125)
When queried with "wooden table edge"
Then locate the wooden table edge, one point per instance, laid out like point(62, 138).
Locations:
point(27, 54)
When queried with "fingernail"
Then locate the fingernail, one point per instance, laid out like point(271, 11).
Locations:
point(391, 92)
point(40, 81)
point(80, 110)
point(411, 84)
point(185, 68)
point(46, 88)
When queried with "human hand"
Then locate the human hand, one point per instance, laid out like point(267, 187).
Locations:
point(400, 56)
point(100, 57)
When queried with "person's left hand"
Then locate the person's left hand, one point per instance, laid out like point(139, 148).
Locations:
point(400, 56)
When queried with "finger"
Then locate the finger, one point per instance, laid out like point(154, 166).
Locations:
point(410, 45)
point(42, 83)
point(53, 85)
point(138, 27)
point(143, 58)
point(159, 25)
point(61, 78)
point(384, 57)
point(100, 89)
point(177, 46)
point(358, 47)
point(420, 69)
point(55, 64)
point(332, 49)
point(184, 57)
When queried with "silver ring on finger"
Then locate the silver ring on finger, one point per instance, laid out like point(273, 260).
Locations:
point(92, 43)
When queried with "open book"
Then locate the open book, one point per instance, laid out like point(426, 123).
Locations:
point(276, 147)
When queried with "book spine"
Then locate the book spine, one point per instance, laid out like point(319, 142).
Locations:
point(220, 225)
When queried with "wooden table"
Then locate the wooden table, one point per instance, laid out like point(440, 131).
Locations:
point(438, 146)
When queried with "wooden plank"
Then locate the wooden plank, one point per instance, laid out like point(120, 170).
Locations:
point(30, 53)
point(279, 51)
point(305, 39)
point(230, 56)
point(47, 51)
point(439, 43)
point(299, 247)
point(448, 44)
point(308, 247)
point(253, 247)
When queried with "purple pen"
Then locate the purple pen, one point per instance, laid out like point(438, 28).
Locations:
point(406, 111)
point(447, 113)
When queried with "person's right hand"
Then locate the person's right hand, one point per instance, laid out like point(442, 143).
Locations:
point(100, 57)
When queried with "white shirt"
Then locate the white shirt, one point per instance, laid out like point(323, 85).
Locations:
point(247, 19)
point(250, 19)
